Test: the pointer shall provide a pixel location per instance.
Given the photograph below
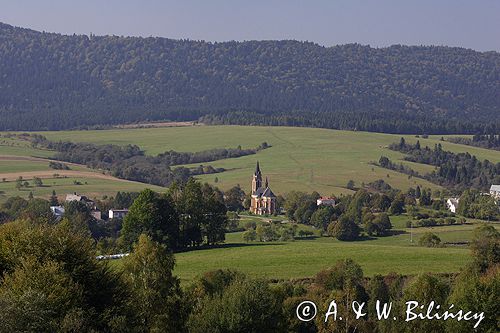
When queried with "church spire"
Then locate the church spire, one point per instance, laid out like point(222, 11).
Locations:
point(267, 182)
point(256, 179)
point(257, 169)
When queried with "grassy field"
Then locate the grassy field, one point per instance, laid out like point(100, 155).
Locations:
point(11, 166)
point(304, 159)
point(79, 179)
point(304, 258)
point(92, 187)
point(15, 147)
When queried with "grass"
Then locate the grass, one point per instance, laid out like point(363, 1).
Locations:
point(10, 166)
point(304, 159)
point(15, 147)
point(15, 160)
point(92, 187)
point(304, 258)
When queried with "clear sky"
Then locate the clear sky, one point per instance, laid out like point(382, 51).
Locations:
point(466, 23)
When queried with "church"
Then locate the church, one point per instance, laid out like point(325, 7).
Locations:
point(263, 199)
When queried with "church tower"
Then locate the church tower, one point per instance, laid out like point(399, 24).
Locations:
point(263, 200)
point(257, 179)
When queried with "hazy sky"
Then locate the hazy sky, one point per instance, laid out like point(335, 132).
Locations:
point(472, 24)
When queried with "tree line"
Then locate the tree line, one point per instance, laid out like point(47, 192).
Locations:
point(130, 162)
point(491, 141)
point(457, 171)
point(366, 212)
point(362, 212)
point(187, 216)
point(53, 81)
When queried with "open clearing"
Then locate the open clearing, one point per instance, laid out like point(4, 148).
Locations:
point(79, 179)
point(304, 258)
point(92, 186)
point(303, 159)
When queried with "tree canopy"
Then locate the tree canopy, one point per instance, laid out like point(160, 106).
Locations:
point(53, 81)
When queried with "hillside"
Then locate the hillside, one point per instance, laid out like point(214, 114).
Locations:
point(19, 159)
point(53, 81)
point(304, 159)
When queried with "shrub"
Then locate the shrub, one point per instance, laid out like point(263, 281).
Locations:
point(249, 235)
point(344, 229)
point(430, 240)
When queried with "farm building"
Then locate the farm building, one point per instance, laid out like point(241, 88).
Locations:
point(495, 191)
point(452, 204)
point(325, 201)
point(117, 213)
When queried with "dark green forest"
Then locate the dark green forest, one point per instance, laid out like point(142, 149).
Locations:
point(491, 141)
point(53, 81)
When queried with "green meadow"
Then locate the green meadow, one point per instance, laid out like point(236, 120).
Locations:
point(92, 187)
point(305, 159)
point(15, 147)
point(304, 258)
point(18, 158)
point(298, 259)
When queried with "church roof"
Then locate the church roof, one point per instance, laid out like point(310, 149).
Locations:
point(268, 193)
point(259, 191)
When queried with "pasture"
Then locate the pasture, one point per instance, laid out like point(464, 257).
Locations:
point(19, 159)
point(306, 159)
point(92, 186)
point(79, 179)
point(304, 258)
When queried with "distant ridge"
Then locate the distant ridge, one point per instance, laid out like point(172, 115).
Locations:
point(54, 81)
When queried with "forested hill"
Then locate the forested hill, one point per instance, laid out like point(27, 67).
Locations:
point(53, 81)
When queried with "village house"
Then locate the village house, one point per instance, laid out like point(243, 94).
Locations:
point(325, 201)
point(81, 198)
point(263, 200)
point(495, 191)
point(117, 213)
point(452, 204)
point(96, 213)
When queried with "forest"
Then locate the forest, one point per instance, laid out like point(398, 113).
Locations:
point(53, 81)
